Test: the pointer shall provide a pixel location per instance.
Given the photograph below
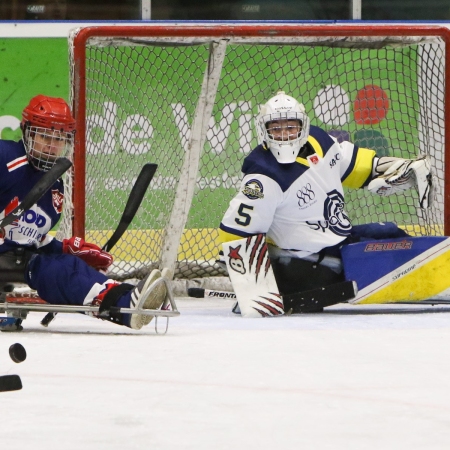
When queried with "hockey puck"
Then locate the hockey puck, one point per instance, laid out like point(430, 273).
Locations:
point(10, 383)
point(17, 352)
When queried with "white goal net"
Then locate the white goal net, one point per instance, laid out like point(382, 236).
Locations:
point(185, 97)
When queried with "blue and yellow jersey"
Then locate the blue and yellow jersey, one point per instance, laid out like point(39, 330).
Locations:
point(300, 206)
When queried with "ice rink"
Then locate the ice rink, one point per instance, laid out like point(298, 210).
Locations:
point(353, 377)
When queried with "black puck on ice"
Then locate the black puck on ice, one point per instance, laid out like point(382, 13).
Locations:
point(18, 353)
point(10, 383)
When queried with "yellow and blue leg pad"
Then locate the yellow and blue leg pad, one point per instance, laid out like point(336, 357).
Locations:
point(410, 269)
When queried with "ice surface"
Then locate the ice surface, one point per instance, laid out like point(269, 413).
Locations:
point(353, 377)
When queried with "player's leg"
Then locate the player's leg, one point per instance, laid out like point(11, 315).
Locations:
point(297, 275)
point(66, 279)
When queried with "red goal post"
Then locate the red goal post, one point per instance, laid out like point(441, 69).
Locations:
point(185, 96)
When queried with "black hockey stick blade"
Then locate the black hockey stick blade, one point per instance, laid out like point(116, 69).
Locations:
point(134, 201)
point(210, 293)
point(39, 189)
point(196, 292)
point(316, 299)
point(10, 383)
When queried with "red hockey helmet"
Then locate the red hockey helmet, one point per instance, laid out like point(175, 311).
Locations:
point(48, 131)
point(48, 112)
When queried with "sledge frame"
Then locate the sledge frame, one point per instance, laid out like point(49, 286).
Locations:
point(21, 310)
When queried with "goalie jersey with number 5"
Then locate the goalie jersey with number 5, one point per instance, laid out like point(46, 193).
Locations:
point(300, 206)
point(293, 185)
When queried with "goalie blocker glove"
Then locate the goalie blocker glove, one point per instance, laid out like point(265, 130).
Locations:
point(393, 175)
point(92, 254)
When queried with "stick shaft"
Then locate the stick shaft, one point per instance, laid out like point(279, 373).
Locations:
point(134, 201)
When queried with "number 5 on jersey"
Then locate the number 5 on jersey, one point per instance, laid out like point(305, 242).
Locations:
point(244, 217)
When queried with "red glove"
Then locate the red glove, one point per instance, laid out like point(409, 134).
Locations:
point(90, 253)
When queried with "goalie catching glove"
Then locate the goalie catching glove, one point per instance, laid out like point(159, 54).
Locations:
point(396, 175)
point(91, 254)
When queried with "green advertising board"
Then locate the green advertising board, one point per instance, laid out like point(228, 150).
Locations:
point(29, 66)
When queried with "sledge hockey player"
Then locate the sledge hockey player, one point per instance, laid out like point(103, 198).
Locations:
point(70, 272)
point(292, 198)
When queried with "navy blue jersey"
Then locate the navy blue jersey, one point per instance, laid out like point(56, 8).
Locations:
point(17, 177)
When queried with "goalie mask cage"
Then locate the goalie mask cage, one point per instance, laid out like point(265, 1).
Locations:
point(186, 97)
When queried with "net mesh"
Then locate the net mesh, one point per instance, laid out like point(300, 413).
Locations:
point(142, 98)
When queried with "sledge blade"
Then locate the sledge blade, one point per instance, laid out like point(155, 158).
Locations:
point(10, 324)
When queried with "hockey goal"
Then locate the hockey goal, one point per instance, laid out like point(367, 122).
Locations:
point(186, 96)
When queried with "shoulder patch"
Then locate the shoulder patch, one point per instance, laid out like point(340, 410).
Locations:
point(253, 189)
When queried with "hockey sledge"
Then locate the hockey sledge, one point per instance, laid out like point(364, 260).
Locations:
point(18, 305)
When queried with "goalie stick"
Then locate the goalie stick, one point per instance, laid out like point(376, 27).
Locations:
point(301, 302)
point(134, 201)
point(38, 190)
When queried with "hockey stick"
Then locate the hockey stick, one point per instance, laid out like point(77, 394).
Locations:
point(299, 302)
point(37, 191)
point(210, 293)
point(134, 201)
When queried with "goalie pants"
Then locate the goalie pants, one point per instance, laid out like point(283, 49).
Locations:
point(295, 274)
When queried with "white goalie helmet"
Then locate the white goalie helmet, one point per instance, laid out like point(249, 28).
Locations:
point(284, 126)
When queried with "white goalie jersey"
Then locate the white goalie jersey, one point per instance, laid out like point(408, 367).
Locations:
point(300, 206)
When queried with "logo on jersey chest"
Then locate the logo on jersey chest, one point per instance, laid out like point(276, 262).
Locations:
point(306, 196)
point(253, 189)
point(335, 218)
point(57, 200)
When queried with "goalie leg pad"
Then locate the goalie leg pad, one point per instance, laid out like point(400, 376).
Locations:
point(410, 269)
point(252, 277)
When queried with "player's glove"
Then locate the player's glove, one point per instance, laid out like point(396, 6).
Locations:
point(92, 254)
point(397, 175)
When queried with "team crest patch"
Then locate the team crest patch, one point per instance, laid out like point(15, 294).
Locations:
point(57, 200)
point(313, 159)
point(253, 189)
